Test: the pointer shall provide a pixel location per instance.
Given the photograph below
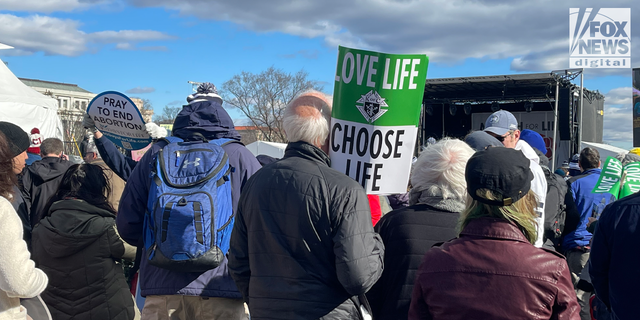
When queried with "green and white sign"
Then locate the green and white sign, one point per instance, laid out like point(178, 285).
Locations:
point(376, 112)
point(610, 177)
point(631, 179)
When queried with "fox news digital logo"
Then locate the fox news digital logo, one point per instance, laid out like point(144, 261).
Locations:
point(600, 38)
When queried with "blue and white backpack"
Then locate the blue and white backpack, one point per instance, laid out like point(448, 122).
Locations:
point(189, 210)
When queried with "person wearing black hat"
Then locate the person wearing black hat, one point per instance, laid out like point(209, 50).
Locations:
point(18, 143)
point(492, 270)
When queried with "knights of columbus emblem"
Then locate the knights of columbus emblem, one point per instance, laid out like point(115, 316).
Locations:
point(370, 105)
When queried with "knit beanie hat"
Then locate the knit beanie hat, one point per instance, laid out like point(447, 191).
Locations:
point(17, 138)
point(36, 140)
point(205, 91)
point(534, 139)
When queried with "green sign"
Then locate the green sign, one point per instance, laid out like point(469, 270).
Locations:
point(631, 179)
point(610, 177)
point(376, 112)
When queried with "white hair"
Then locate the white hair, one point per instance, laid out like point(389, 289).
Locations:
point(440, 169)
point(313, 128)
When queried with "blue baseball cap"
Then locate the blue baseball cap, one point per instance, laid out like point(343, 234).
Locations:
point(501, 122)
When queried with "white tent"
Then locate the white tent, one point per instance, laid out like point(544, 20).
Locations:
point(26, 107)
point(272, 149)
point(605, 150)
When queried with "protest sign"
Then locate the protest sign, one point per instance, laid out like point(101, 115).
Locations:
point(610, 177)
point(630, 180)
point(118, 118)
point(376, 111)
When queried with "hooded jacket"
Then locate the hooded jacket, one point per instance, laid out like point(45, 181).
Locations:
point(538, 186)
point(40, 182)
point(209, 119)
point(76, 246)
point(303, 244)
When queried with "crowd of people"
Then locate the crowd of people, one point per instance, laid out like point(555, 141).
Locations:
point(485, 231)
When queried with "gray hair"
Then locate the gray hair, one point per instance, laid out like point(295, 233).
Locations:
point(312, 127)
point(627, 158)
point(439, 171)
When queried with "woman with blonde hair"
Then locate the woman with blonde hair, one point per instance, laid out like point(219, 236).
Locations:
point(436, 200)
point(492, 270)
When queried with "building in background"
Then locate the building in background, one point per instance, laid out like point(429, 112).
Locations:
point(71, 98)
point(250, 134)
point(72, 105)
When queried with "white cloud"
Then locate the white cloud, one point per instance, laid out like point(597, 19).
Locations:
point(45, 6)
point(140, 90)
point(127, 36)
point(535, 32)
point(55, 36)
point(618, 126)
point(619, 96)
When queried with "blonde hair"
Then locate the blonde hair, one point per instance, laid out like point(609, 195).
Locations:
point(520, 212)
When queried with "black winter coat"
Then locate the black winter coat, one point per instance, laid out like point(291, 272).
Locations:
point(76, 246)
point(303, 245)
point(407, 234)
point(40, 181)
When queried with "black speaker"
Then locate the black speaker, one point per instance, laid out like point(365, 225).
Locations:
point(564, 114)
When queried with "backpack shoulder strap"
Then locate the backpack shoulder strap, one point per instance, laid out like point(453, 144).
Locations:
point(225, 141)
point(171, 139)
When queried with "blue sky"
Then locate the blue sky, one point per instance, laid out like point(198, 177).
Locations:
point(155, 46)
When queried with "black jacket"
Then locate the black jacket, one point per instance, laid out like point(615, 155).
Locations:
point(76, 246)
point(407, 234)
point(303, 244)
point(40, 181)
point(614, 260)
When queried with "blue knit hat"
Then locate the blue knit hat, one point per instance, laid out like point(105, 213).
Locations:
point(534, 139)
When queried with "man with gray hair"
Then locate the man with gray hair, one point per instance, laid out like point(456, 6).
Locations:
point(303, 246)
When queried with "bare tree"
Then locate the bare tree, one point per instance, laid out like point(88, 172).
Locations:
point(262, 97)
point(168, 115)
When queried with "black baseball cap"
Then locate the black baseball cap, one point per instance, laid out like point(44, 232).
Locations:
point(502, 170)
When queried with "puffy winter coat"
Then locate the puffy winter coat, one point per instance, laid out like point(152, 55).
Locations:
point(408, 233)
point(303, 245)
point(492, 272)
point(76, 246)
point(40, 181)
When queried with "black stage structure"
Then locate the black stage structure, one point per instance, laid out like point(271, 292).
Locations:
point(453, 107)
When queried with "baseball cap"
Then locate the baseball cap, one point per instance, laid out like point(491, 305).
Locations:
point(501, 122)
point(479, 140)
point(502, 170)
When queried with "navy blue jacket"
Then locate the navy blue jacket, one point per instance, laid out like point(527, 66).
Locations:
point(614, 257)
point(581, 186)
point(114, 159)
point(209, 119)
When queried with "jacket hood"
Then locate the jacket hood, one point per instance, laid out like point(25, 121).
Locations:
point(71, 226)
point(528, 151)
point(49, 168)
point(206, 117)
